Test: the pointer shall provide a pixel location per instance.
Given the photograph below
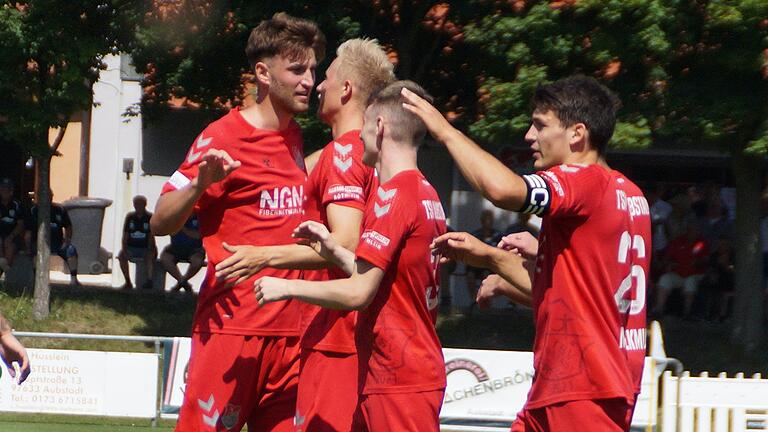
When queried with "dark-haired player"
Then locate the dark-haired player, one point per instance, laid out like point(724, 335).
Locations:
point(588, 283)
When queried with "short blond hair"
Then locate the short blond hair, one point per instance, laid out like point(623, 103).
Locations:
point(364, 62)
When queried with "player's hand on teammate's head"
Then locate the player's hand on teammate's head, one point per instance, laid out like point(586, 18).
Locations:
point(12, 351)
point(432, 118)
point(215, 166)
point(461, 246)
point(488, 290)
point(316, 236)
point(269, 289)
point(244, 262)
point(522, 243)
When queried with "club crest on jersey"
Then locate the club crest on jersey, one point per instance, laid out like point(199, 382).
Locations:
point(230, 416)
point(201, 143)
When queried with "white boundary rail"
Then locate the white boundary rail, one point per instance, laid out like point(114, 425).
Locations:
point(714, 404)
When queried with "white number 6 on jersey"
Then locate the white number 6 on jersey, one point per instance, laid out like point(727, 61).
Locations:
point(636, 275)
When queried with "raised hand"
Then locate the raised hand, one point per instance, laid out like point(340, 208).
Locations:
point(269, 289)
point(461, 246)
point(316, 236)
point(489, 289)
point(435, 122)
point(522, 243)
point(214, 167)
point(244, 262)
point(12, 351)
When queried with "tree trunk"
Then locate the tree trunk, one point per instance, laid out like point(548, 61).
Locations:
point(41, 308)
point(748, 311)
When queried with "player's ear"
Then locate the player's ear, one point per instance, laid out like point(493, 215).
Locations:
point(577, 135)
point(346, 91)
point(261, 73)
point(379, 127)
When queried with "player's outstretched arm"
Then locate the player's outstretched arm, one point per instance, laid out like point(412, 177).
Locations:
point(246, 260)
point(485, 173)
point(461, 246)
point(356, 292)
point(12, 351)
point(494, 286)
point(174, 208)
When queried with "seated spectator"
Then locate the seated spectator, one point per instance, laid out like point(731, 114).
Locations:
point(715, 224)
point(490, 235)
point(138, 242)
point(719, 280)
point(61, 238)
point(187, 246)
point(11, 225)
point(685, 264)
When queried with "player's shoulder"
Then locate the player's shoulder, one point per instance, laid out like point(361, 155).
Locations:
point(587, 175)
point(224, 126)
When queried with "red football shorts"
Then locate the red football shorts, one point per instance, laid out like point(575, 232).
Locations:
point(328, 392)
point(403, 412)
point(599, 415)
point(235, 379)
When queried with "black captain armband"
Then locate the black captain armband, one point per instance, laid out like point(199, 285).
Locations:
point(538, 198)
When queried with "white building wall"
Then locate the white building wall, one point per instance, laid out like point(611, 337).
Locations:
point(115, 137)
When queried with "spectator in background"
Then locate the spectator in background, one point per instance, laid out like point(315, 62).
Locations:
point(489, 235)
point(11, 224)
point(719, 280)
point(715, 224)
point(523, 224)
point(61, 237)
point(685, 264)
point(138, 242)
point(680, 214)
point(187, 246)
point(660, 211)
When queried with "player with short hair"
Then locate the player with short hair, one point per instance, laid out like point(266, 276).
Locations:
point(244, 177)
point(60, 237)
point(337, 190)
point(11, 224)
point(186, 246)
point(138, 242)
point(587, 286)
point(394, 277)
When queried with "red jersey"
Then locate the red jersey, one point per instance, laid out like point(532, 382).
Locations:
point(260, 203)
point(396, 333)
point(589, 284)
point(688, 255)
point(341, 178)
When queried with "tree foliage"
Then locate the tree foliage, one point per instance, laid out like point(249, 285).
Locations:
point(50, 54)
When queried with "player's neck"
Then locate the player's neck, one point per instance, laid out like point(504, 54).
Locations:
point(345, 121)
point(395, 159)
point(266, 115)
point(588, 157)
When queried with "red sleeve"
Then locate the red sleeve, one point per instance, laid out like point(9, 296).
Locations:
point(574, 190)
point(208, 139)
point(346, 177)
point(387, 221)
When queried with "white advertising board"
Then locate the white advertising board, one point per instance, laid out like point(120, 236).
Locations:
point(493, 386)
point(86, 383)
point(486, 385)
